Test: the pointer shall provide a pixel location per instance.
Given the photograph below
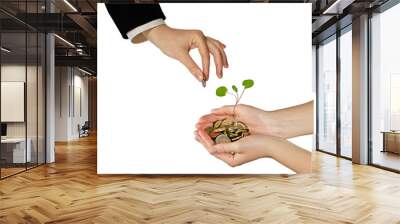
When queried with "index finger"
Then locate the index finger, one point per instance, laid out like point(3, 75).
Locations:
point(210, 118)
point(205, 55)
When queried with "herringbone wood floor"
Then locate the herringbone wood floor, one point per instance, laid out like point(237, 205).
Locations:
point(69, 191)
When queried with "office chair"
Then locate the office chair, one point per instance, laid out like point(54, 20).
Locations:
point(84, 130)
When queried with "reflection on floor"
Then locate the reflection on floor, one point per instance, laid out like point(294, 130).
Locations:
point(70, 191)
point(8, 170)
point(387, 159)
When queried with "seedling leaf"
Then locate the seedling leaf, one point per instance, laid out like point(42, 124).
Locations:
point(234, 88)
point(221, 91)
point(248, 83)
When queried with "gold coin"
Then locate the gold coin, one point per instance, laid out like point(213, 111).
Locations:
point(217, 124)
point(228, 130)
point(239, 131)
point(204, 83)
point(232, 129)
point(241, 125)
point(219, 129)
point(236, 138)
point(221, 139)
point(227, 122)
point(230, 134)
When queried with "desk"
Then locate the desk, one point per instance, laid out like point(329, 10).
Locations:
point(391, 141)
point(13, 150)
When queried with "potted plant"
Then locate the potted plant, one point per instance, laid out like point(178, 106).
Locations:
point(229, 129)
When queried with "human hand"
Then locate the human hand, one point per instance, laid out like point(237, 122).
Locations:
point(257, 146)
point(236, 153)
point(268, 131)
point(284, 123)
point(258, 121)
point(176, 43)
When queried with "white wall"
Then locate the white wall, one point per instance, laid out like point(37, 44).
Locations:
point(80, 83)
point(70, 83)
point(16, 73)
point(12, 73)
point(62, 81)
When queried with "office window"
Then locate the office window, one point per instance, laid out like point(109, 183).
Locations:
point(385, 89)
point(327, 96)
point(346, 92)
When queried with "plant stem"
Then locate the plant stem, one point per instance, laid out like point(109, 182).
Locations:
point(236, 97)
point(237, 101)
point(240, 97)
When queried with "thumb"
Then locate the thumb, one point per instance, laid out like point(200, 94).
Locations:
point(225, 110)
point(188, 62)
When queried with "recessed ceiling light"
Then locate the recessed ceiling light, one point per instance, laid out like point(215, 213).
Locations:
point(338, 6)
point(64, 40)
point(84, 71)
point(5, 50)
point(70, 5)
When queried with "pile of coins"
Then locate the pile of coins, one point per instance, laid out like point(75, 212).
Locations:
point(227, 130)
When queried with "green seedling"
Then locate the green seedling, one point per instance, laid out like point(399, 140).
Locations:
point(222, 91)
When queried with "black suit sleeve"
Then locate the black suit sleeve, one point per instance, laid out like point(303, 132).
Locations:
point(129, 16)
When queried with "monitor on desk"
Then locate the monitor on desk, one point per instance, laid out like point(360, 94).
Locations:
point(3, 130)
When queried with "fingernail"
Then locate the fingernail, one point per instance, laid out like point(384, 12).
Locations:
point(199, 76)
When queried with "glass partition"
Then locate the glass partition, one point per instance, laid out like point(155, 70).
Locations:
point(41, 97)
point(327, 96)
point(14, 153)
point(31, 100)
point(22, 77)
point(346, 93)
point(385, 89)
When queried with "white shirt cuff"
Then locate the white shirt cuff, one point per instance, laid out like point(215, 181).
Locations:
point(133, 34)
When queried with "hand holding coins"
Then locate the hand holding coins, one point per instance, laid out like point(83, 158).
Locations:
point(227, 130)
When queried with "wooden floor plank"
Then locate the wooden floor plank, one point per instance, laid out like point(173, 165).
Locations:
point(70, 191)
